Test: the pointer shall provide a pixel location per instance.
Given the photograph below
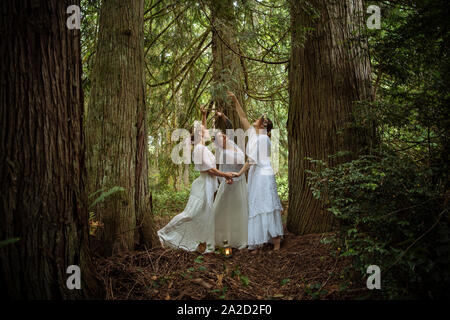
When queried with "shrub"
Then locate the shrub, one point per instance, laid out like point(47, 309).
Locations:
point(390, 214)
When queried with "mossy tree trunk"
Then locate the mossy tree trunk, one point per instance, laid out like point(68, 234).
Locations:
point(327, 75)
point(227, 64)
point(43, 200)
point(117, 128)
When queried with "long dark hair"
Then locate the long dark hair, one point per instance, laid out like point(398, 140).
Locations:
point(267, 124)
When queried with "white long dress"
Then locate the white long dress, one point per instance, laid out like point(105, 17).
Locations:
point(195, 224)
point(230, 206)
point(264, 204)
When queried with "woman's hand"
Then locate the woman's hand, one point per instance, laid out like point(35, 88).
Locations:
point(228, 175)
point(240, 111)
point(229, 181)
point(231, 95)
point(203, 110)
point(221, 115)
point(235, 174)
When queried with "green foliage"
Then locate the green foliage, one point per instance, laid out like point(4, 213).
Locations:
point(168, 201)
point(104, 195)
point(199, 259)
point(201, 268)
point(392, 215)
point(315, 290)
point(392, 204)
point(245, 280)
point(237, 273)
point(219, 89)
point(283, 187)
point(222, 292)
point(8, 241)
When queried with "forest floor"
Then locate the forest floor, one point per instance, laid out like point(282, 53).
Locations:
point(304, 268)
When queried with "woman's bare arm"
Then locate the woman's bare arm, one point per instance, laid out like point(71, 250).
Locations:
point(228, 124)
point(244, 169)
point(227, 175)
point(215, 172)
point(240, 111)
point(203, 110)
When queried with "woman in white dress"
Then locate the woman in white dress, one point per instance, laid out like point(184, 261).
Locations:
point(195, 225)
point(230, 206)
point(264, 206)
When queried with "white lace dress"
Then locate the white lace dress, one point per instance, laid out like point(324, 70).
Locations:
point(264, 204)
point(230, 206)
point(195, 224)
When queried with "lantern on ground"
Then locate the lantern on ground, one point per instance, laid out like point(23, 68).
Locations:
point(227, 249)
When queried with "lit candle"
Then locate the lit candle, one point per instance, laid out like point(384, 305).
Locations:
point(227, 249)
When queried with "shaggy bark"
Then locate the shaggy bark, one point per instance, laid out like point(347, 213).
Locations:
point(327, 75)
point(227, 67)
point(43, 200)
point(117, 128)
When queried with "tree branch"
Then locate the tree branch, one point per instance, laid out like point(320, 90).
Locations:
point(233, 50)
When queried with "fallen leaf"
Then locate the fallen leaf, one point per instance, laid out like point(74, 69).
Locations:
point(201, 247)
point(219, 279)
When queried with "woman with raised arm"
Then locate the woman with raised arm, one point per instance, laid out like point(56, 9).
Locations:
point(230, 206)
point(195, 225)
point(264, 206)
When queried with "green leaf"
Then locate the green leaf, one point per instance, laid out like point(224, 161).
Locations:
point(8, 241)
point(245, 280)
point(199, 259)
point(106, 194)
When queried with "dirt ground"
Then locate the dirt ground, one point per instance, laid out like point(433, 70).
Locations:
point(304, 268)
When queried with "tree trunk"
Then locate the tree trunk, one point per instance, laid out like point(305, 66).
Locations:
point(146, 234)
point(117, 128)
point(186, 182)
point(42, 170)
point(326, 77)
point(227, 68)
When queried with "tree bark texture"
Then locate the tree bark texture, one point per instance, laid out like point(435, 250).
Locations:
point(43, 200)
point(227, 67)
point(328, 74)
point(117, 129)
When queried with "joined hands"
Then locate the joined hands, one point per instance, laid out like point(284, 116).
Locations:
point(229, 177)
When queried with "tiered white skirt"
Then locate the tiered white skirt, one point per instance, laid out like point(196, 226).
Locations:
point(264, 207)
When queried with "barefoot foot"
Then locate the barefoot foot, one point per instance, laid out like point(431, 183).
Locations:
point(276, 244)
